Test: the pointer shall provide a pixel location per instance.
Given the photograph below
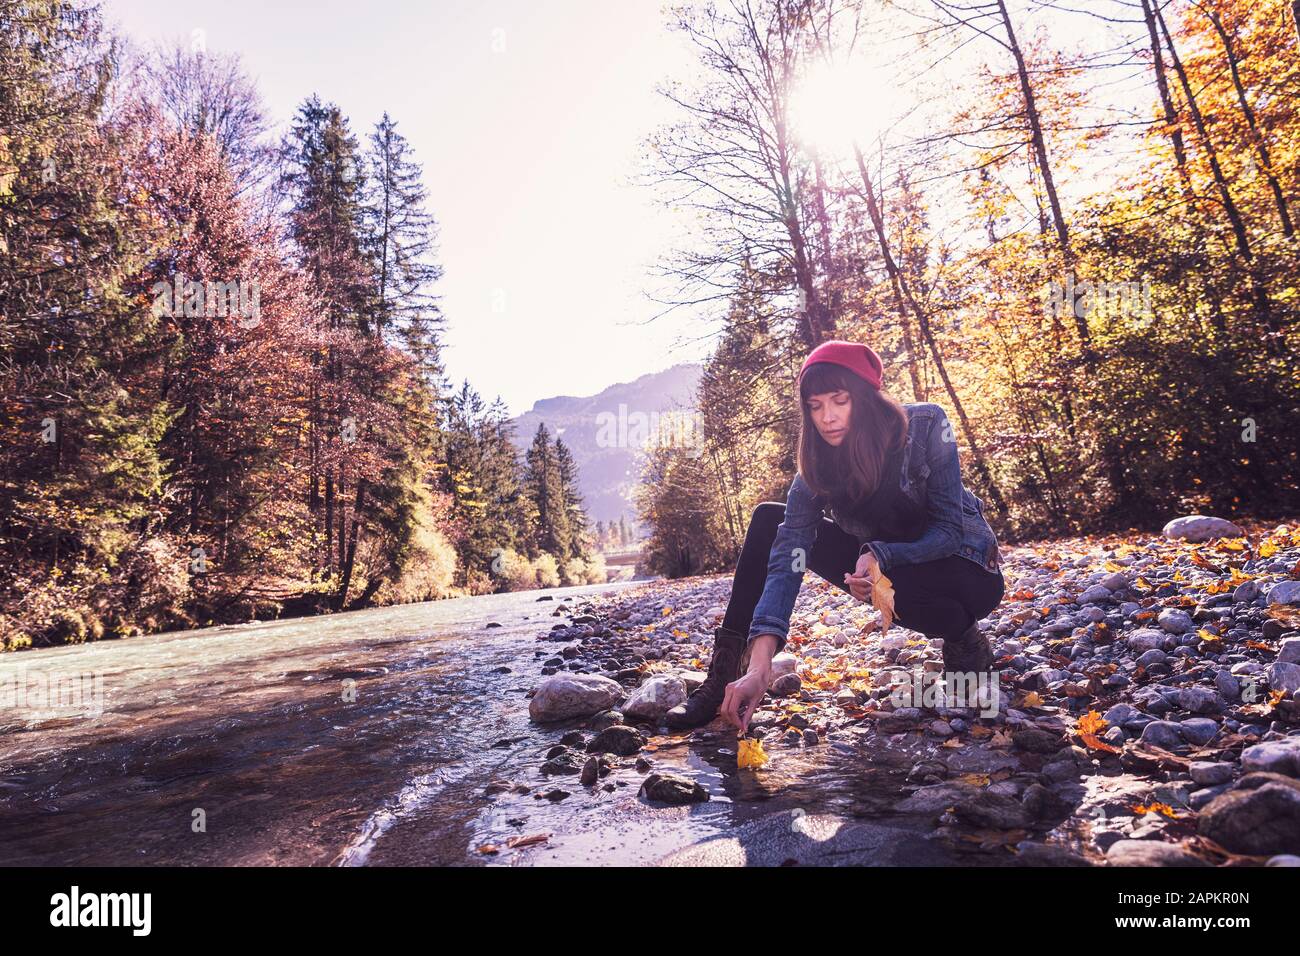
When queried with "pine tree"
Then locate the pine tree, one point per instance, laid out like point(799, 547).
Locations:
point(551, 531)
point(324, 182)
point(399, 240)
point(482, 475)
point(575, 514)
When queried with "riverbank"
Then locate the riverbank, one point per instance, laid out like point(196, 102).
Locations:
point(407, 735)
point(1147, 713)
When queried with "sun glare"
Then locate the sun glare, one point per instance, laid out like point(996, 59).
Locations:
point(837, 105)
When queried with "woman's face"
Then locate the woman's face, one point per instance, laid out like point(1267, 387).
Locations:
point(830, 413)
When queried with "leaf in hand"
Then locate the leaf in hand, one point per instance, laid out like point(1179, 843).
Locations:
point(882, 597)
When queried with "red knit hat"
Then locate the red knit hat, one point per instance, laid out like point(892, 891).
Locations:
point(859, 359)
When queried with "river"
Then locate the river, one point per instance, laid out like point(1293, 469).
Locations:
point(375, 738)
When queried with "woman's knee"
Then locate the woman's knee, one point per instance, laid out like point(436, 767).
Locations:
point(767, 514)
point(930, 614)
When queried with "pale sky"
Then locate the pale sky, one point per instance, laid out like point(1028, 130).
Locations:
point(527, 116)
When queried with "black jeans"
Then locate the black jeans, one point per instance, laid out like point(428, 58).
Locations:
point(937, 598)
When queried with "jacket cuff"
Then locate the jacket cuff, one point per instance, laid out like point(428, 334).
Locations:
point(878, 549)
point(758, 629)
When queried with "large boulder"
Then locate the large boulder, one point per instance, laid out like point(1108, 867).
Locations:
point(1261, 822)
point(1095, 595)
point(1175, 620)
point(1197, 528)
point(1273, 756)
point(655, 697)
point(1284, 592)
point(1164, 734)
point(1150, 853)
point(1284, 677)
point(573, 695)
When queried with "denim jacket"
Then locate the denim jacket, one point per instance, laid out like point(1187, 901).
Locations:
point(930, 476)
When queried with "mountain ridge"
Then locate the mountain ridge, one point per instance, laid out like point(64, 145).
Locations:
point(608, 471)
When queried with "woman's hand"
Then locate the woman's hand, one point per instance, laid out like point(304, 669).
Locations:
point(862, 585)
point(743, 695)
point(864, 577)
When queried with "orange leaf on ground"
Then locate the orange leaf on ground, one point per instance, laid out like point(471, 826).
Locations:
point(1092, 722)
point(750, 753)
point(1096, 743)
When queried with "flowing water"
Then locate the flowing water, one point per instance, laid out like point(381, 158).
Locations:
point(367, 738)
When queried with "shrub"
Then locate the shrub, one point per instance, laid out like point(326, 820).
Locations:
point(155, 582)
point(13, 636)
point(573, 572)
point(427, 572)
point(546, 571)
point(596, 570)
point(66, 626)
point(478, 582)
point(515, 572)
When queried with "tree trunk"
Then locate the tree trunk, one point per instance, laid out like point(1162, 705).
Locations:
point(1261, 148)
point(1039, 143)
point(1259, 292)
point(349, 561)
point(904, 301)
point(1167, 103)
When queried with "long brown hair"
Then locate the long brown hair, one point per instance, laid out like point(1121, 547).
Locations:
point(849, 473)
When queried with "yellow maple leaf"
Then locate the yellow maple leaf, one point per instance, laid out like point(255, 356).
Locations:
point(1092, 723)
point(882, 598)
point(1032, 699)
point(750, 753)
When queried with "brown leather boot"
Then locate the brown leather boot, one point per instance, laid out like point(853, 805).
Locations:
point(702, 706)
point(968, 652)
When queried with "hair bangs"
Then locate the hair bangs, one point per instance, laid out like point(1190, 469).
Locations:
point(823, 377)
